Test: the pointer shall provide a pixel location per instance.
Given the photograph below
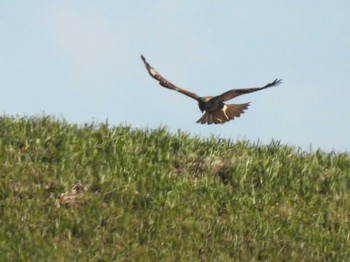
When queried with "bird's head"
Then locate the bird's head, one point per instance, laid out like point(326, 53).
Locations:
point(202, 102)
point(206, 98)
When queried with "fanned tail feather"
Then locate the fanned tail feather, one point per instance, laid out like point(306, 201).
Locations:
point(233, 111)
point(227, 113)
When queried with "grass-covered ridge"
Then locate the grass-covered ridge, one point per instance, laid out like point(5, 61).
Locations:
point(148, 195)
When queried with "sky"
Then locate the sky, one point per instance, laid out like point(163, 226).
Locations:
point(80, 61)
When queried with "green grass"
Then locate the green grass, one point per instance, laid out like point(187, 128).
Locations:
point(155, 196)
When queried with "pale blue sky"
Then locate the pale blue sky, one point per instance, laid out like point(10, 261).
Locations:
point(80, 60)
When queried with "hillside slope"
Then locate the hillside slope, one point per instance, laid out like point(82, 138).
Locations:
point(95, 192)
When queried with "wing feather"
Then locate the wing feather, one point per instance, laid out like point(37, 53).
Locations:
point(165, 83)
point(237, 92)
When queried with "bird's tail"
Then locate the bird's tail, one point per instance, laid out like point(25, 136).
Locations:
point(227, 113)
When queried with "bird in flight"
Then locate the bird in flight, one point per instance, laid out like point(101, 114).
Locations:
point(216, 111)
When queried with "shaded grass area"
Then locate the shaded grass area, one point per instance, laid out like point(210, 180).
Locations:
point(148, 195)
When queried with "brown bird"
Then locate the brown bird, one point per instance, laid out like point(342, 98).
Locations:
point(216, 111)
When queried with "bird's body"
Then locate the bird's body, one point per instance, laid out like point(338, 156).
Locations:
point(216, 111)
point(207, 103)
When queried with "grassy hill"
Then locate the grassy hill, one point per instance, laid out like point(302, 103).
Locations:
point(99, 193)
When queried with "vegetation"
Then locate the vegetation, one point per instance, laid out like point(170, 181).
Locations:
point(100, 193)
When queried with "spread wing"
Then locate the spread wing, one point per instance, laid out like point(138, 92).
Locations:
point(237, 92)
point(165, 83)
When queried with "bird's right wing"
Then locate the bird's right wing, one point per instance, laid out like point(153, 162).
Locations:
point(165, 83)
point(237, 92)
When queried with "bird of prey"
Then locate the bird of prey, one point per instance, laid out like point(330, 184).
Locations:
point(216, 111)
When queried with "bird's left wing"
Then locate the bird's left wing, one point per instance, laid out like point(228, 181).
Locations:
point(237, 92)
point(165, 83)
